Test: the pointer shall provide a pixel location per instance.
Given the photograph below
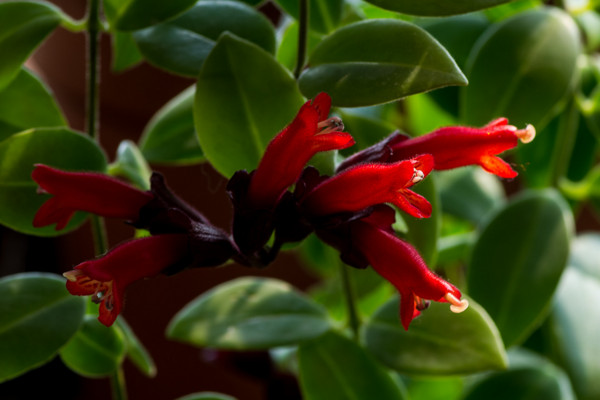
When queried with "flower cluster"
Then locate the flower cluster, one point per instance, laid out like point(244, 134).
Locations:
point(351, 210)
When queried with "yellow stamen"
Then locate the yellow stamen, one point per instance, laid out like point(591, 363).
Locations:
point(418, 176)
point(456, 305)
point(526, 135)
point(72, 275)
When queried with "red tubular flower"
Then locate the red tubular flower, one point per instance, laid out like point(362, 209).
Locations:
point(107, 277)
point(457, 146)
point(366, 185)
point(287, 154)
point(400, 264)
point(84, 191)
point(452, 147)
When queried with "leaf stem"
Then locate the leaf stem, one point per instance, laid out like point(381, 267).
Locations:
point(353, 319)
point(302, 35)
point(93, 58)
point(565, 141)
point(117, 383)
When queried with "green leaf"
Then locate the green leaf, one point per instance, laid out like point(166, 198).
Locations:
point(27, 103)
point(135, 350)
point(377, 61)
point(57, 147)
point(368, 125)
point(125, 52)
point(242, 80)
point(129, 15)
point(522, 69)
point(518, 260)
point(423, 232)
point(438, 342)
point(334, 367)
point(170, 137)
point(443, 388)
point(206, 396)
point(575, 316)
point(130, 164)
point(323, 16)
point(37, 317)
point(287, 52)
point(470, 193)
point(181, 45)
point(23, 26)
point(95, 350)
point(249, 313)
point(435, 7)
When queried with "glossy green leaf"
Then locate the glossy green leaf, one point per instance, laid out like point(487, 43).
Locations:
point(575, 315)
point(242, 80)
point(182, 44)
point(518, 260)
point(423, 232)
point(458, 35)
point(125, 52)
point(522, 69)
point(470, 193)
point(206, 396)
point(57, 147)
point(95, 350)
point(170, 136)
point(135, 350)
point(26, 103)
point(323, 16)
point(434, 388)
point(249, 313)
point(37, 317)
point(130, 164)
point(435, 7)
point(334, 367)
point(287, 51)
point(438, 342)
point(129, 15)
point(23, 26)
point(377, 61)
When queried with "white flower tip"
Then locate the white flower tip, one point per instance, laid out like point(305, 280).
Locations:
point(71, 275)
point(526, 135)
point(418, 176)
point(456, 305)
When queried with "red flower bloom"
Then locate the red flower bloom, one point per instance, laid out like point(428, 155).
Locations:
point(452, 147)
point(400, 264)
point(287, 154)
point(366, 185)
point(107, 277)
point(86, 191)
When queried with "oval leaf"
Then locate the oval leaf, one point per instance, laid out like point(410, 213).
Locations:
point(249, 313)
point(130, 164)
point(129, 15)
point(435, 7)
point(518, 260)
point(377, 61)
point(170, 136)
point(181, 45)
point(527, 63)
point(58, 147)
point(334, 367)
point(470, 193)
point(95, 350)
point(438, 342)
point(575, 316)
point(243, 98)
point(135, 350)
point(23, 26)
point(37, 317)
point(27, 103)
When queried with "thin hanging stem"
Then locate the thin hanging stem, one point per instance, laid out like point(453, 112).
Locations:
point(93, 58)
point(302, 35)
point(353, 319)
point(117, 384)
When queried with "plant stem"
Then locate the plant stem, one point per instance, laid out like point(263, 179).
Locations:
point(117, 383)
point(93, 57)
point(353, 319)
point(302, 35)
